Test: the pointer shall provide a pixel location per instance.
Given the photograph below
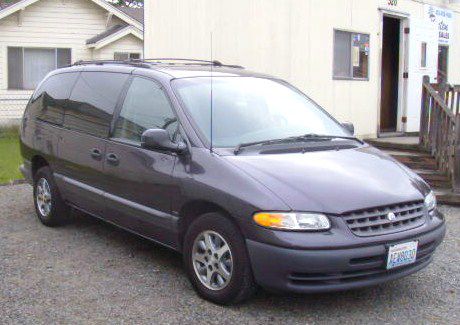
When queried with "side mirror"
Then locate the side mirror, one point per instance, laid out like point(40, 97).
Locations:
point(158, 139)
point(349, 127)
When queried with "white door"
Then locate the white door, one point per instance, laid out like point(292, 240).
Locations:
point(423, 61)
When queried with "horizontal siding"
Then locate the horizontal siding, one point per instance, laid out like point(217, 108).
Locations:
point(49, 24)
point(129, 43)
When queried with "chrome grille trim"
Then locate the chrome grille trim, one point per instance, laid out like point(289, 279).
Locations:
point(375, 222)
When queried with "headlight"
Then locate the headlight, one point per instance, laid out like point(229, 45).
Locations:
point(292, 221)
point(430, 201)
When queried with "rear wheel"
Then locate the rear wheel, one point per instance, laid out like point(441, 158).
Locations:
point(216, 260)
point(49, 206)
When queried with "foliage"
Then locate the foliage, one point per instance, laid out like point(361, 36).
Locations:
point(10, 159)
point(11, 131)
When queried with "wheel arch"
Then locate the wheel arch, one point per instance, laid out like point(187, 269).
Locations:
point(38, 162)
point(194, 209)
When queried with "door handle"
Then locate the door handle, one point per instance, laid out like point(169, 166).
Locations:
point(113, 159)
point(96, 154)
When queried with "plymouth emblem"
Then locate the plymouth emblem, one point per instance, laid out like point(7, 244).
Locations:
point(391, 216)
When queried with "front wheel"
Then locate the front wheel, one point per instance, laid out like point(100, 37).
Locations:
point(50, 207)
point(216, 260)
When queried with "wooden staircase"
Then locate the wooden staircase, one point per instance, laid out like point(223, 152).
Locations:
point(411, 154)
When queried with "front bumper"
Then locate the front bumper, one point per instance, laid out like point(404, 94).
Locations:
point(309, 271)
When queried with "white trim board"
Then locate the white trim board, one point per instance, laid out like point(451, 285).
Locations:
point(21, 5)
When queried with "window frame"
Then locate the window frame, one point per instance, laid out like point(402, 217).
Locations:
point(23, 48)
point(119, 107)
point(334, 77)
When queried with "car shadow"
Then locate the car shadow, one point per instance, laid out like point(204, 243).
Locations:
point(148, 253)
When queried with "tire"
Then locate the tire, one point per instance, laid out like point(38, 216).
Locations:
point(57, 211)
point(240, 285)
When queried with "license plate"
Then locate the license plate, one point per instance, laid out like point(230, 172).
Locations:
point(402, 254)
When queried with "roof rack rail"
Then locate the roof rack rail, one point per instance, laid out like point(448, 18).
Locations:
point(121, 62)
point(186, 62)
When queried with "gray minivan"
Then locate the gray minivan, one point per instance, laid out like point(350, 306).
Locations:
point(247, 177)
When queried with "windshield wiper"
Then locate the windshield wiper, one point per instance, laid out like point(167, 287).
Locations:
point(305, 137)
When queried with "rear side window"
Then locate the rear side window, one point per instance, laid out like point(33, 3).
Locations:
point(146, 106)
point(93, 101)
point(48, 102)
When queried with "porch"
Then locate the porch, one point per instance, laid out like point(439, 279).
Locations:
point(435, 153)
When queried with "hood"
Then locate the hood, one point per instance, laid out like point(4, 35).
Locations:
point(334, 182)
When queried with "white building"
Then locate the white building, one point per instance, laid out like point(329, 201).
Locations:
point(37, 36)
point(363, 60)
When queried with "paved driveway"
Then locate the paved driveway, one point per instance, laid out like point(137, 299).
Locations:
point(90, 272)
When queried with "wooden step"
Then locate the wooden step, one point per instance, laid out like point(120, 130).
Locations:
point(447, 196)
point(407, 151)
point(421, 163)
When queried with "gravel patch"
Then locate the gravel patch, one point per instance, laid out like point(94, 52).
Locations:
point(91, 272)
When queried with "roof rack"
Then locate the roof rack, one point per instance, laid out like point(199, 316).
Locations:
point(147, 63)
point(175, 61)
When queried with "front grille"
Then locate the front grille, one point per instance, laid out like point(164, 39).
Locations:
point(375, 222)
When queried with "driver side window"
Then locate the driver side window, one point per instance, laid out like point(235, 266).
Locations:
point(145, 107)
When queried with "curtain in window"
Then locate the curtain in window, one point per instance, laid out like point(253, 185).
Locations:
point(15, 68)
point(37, 64)
point(63, 58)
point(342, 54)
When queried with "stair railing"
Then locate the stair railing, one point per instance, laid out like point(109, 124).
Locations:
point(440, 127)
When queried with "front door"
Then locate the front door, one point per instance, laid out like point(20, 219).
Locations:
point(423, 61)
point(139, 181)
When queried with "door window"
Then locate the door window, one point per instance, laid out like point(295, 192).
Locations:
point(93, 102)
point(146, 106)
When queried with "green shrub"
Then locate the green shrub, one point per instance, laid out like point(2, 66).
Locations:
point(10, 131)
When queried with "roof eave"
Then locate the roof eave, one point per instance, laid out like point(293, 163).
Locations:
point(116, 36)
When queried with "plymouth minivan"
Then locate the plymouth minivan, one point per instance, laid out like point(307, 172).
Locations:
point(247, 177)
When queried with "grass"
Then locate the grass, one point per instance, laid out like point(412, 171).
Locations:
point(10, 158)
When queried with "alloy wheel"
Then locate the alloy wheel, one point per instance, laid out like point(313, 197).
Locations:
point(43, 197)
point(212, 260)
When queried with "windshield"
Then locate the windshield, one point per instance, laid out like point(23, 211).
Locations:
point(247, 109)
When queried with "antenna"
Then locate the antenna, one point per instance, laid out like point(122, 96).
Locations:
point(212, 104)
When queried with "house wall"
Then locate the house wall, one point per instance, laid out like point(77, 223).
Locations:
point(291, 39)
point(51, 23)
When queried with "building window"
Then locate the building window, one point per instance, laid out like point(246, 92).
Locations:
point(351, 55)
point(423, 57)
point(123, 56)
point(28, 66)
